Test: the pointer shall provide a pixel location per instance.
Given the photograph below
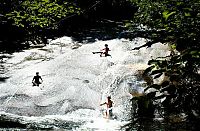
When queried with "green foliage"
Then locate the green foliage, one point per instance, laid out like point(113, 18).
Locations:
point(40, 14)
point(166, 14)
point(31, 20)
point(178, 18)
point(179, 23)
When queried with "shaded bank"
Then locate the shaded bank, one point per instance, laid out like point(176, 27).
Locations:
point(16, 37)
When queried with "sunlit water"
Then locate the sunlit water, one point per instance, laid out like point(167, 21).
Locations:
point(75, 83)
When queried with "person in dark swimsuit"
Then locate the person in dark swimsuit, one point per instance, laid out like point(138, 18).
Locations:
point(36, 79)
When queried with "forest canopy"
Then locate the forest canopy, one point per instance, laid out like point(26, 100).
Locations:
point(30, 20)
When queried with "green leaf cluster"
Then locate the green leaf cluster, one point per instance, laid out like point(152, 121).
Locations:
point(40, 13)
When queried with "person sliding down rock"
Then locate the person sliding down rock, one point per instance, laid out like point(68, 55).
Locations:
point(104, 51)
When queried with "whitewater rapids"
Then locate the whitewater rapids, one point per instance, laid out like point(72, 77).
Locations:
point(75, 83)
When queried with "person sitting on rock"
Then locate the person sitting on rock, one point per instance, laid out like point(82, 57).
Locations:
point(36, 80)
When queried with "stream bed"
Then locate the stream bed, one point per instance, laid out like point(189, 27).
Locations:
point(75, 83)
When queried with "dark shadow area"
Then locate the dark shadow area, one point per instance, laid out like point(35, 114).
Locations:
point(101, 30)
point(12, 38)
point(3, 69)
point(102, 20)
point(11, 124)
point(3, 79)
point(149, 124)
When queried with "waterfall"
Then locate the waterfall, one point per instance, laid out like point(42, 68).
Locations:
point(75, 81)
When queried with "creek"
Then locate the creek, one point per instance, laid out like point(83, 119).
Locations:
point(75, 82)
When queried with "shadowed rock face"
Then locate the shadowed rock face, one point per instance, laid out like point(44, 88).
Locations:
point(24, 105)
point(35, 110)
point(16, 122)
point(4, 123)
point(3, 79)
point(146, 77)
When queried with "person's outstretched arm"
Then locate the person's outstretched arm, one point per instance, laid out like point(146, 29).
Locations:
point(103, 104)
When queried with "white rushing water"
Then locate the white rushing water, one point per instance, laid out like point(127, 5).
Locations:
point(75, 83)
